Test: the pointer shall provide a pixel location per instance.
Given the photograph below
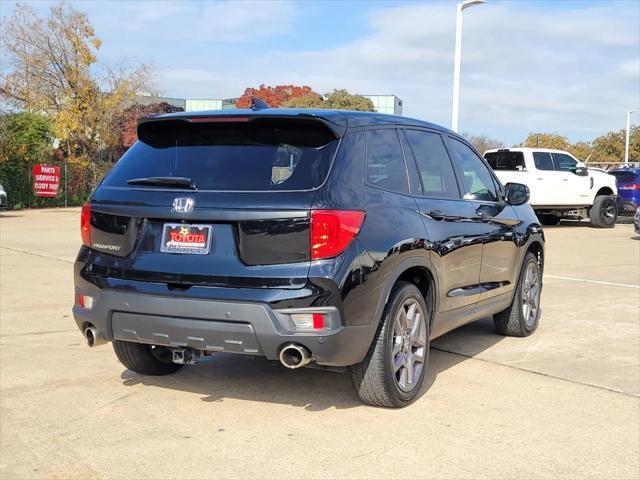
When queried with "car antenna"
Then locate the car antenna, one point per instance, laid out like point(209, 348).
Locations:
point(258, 104)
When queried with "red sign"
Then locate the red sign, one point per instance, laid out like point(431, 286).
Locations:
point(46, 180)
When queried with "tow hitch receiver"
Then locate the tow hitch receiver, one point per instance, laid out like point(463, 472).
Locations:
point(185, 356)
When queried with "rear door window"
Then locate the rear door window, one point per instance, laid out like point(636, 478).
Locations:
point(385, 162)
point(256, 155)
point(543, 161)
point(434, 165)
point(505, 160)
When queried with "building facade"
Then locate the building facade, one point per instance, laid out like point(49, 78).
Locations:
point(386, 104)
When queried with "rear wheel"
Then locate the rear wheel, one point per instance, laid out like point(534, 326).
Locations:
point(548, 219)
point(145, 359)
point(393, 370)
point(604, 211)
point(522, 317)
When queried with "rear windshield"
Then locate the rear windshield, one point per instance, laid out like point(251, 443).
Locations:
point(255, 155)
point(505, 160)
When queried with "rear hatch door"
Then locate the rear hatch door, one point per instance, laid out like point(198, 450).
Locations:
point(221, 203)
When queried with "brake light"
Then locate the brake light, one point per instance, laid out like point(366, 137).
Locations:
point(217, 119)
point(633, 186)
point(85, 225)
point(333, 230)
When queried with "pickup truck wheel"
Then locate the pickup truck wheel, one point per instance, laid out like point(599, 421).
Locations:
point(145, 359)
point(604, 212)
point(522, 317)
point(393, 370)
point(549, 219)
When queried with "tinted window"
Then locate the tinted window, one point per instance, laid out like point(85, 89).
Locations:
point(564, 162)
point(622, 176)
point(434, 165)
point(385, 163)
point(477, 180)
point(262, 154)
point(505, 160)
point(543, 161)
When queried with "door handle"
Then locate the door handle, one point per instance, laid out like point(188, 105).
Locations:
point(437, 214)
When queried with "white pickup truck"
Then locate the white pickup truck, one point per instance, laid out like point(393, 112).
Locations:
point(560, 186)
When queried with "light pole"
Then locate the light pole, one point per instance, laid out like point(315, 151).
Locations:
point(456, 60)
point(626, 141)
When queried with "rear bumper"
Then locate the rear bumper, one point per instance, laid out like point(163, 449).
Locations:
point(243, 327)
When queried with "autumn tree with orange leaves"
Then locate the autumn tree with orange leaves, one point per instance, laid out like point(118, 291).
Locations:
point(274, 96)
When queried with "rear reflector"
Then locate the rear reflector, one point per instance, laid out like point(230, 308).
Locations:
point(309, 321)
point(333, 230)
point(85, 225)
point(85, 301)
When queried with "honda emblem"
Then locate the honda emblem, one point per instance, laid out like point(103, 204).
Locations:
point(183, 205)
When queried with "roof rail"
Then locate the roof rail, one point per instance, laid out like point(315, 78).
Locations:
point(258, 104)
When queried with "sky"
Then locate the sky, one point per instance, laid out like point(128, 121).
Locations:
point(570, 67)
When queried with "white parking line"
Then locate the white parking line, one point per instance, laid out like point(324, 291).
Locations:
point(592, 281)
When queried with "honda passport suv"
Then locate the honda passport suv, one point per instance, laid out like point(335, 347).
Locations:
point(321, 238)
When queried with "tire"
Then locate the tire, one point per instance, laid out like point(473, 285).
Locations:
point(145, 359)
point(519, 320)
point(549, 219)
point(604, 211)
point(377, 380)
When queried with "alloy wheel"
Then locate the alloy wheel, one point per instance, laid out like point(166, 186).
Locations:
point(409, 345)
point(531, 294)
point(608, 211)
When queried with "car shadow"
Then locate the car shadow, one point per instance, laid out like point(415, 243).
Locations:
point(569, 223)
point(228, 376)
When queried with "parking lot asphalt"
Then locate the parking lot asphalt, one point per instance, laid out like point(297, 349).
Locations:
point(563, 403)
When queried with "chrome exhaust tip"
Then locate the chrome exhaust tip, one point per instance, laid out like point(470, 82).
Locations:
point(91, 337)
point(294, 356)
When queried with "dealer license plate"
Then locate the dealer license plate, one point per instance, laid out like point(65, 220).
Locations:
point(183, 238)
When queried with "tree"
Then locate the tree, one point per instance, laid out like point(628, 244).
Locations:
point(605, 148)
point(52, 64)
point(310, 100)
point(338, 100)
point(610, 146)
point(483, 142)
point(546, 140)
point(274, 96)
point(25, 139)
point(129, 121)
point(581, 150)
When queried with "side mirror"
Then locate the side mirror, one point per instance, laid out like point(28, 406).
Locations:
point(516, 193)
point(581, 171)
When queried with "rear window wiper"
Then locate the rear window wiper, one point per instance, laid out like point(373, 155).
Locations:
point(182, 182)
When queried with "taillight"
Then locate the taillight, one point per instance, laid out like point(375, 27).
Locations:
point(85, 225)
point(632, 186)
point(332, 231)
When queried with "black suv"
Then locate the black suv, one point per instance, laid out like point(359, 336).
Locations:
point(321, 238)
